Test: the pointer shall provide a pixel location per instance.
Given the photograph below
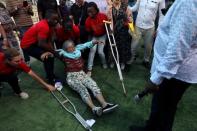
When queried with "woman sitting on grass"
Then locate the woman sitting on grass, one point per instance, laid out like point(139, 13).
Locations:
point(78, 80)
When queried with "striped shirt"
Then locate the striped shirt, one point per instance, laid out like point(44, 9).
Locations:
point(22, 18)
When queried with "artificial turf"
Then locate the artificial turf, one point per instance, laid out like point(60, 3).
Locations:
point(41, 112)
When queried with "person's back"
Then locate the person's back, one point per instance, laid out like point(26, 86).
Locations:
point(41, 29)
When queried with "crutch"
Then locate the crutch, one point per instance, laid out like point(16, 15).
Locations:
point(74, 112)
point(116, 58)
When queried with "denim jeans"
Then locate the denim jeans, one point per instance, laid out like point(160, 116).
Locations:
point(101, 53)
point(22, 31)
point(147, 36)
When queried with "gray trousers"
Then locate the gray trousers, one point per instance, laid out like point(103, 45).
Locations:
point(147, 36)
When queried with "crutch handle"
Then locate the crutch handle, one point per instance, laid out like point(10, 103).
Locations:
point(107, 22)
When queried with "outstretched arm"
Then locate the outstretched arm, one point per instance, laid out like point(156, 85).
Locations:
point(85, 45)
point(41, 81)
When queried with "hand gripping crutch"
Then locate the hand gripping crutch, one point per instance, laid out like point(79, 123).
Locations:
point(114, 50)
point(74, 112)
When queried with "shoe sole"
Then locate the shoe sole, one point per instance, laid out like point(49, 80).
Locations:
point(110, 109)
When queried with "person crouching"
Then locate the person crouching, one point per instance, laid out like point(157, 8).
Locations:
point(10, 62)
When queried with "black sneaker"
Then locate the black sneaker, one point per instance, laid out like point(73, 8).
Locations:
point(109, 107)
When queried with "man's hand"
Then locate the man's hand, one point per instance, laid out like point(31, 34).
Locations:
point(97, 42)
point(50, 87)
point(46, 55)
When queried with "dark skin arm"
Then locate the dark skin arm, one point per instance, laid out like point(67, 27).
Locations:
point(43, 43)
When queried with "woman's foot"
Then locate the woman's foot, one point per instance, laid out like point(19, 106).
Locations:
point(109, 107)
point(97, 111)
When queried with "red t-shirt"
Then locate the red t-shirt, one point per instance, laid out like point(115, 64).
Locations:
point(96, 24)
point(7, 69)
point(39, 30)
point(62, 35)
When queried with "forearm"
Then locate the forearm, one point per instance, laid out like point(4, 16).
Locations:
point(85, 45)
point(37, 78)
point(46, 45)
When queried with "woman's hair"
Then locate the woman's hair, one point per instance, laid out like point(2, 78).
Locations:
point(67, 43)
point(11, 53)
point(94, 5)
point(2, 5)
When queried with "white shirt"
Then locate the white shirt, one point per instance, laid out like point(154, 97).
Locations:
point(175, 48)
point(102, 5)
point(147, 12)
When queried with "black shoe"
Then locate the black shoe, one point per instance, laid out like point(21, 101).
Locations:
point(136, 128)
point(146, 64)
point(109, 107)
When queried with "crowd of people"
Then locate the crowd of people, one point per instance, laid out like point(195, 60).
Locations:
point(66, 28)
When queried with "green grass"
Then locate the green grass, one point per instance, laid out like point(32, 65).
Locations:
point(41, 112)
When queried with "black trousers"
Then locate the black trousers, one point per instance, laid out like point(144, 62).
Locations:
point(12, 81)
point(36, 52)
point(164, 105)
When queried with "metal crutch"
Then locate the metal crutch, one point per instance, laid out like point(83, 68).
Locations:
point(116, 58)
point(75, 112)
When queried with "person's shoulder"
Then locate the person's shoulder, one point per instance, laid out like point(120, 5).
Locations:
point(102, 15)
point(42, 24)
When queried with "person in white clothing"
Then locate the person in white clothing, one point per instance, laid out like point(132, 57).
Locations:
point(145, 26)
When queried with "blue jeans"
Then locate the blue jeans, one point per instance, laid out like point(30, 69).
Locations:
point(101, 53)
point(22, 31)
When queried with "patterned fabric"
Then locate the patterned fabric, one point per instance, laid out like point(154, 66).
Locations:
point(80, 82)
point(175, 50)
point(123, 39)
point(8, 25)
point(73, 65)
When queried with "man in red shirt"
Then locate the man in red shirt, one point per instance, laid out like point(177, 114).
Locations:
point(67, 31)
point(10, 62)
point(95, 26)
point(37, 42)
